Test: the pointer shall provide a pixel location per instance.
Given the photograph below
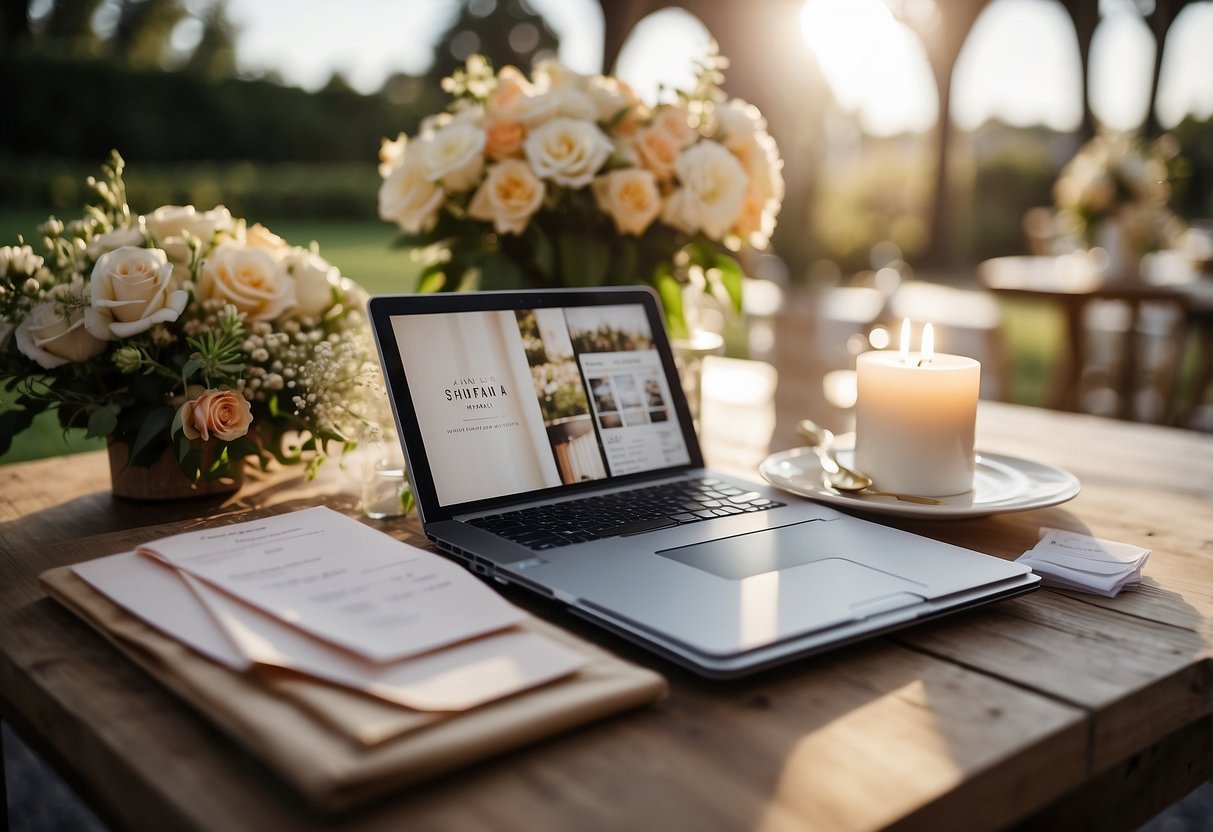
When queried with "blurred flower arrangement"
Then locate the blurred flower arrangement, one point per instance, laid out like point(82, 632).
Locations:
point(1121, 181)
point(181, 327)
point(563, 179)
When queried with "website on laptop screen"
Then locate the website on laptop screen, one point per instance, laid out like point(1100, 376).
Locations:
point(520, 400)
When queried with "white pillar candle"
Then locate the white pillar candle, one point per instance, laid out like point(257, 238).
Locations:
point(915, 418)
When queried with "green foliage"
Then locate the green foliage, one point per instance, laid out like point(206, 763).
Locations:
point(77, 108)
point(1007, 185)
point(318, 191)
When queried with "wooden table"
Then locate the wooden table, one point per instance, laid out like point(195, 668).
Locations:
point(1058, 281)
point(1062, 708)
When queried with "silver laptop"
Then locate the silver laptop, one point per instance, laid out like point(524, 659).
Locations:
point(550, 447)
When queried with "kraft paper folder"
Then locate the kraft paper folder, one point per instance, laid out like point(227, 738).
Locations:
point(338, 747)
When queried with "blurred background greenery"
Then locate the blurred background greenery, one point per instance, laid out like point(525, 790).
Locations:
point(163, 82)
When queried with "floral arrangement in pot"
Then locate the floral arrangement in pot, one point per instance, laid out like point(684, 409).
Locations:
point(184, 334)
point(563, 179)
point(1116, 192)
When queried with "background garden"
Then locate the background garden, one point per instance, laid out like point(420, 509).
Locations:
point(159, 80)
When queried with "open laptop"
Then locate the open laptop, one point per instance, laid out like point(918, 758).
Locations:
point(550, 446)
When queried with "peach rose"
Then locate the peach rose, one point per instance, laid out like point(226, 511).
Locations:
point(675, 122)
point(503, 138)
point(224, 414)
point(510, 195)
point(630, 197)
point(657, 151)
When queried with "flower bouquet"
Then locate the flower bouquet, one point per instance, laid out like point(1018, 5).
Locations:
point(1115, 193)
point(185, 333)
point(569, 180)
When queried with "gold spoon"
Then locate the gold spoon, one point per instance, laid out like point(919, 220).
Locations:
point(838, 476)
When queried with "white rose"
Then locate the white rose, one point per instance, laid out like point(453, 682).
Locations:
point(52, 340)
point(119, 237)
point(130, 292)
point(554, 75)
point(713, 189)
point(454, 155)
point(630, 197)
point(167, 226)
point(408, 197)
point(574, 104)
point(610, 97)
point(534, 110)
point(249, 279)
point(315, 279)
point(568, 152)
point(737, 118)
point(510, 195)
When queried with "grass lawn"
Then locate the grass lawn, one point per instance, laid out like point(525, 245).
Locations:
point(363, 252)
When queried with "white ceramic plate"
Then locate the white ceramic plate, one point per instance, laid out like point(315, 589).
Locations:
point(1000, 484)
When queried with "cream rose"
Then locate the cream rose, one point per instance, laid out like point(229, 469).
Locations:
point(52, 338)
point(675, 122)
point(167, 226)
point(567, 151)
point(249, 279)
point(261, 238)
point(713, 190)
point(510, 195)
point(611, 97)
point(117, 238)
point(759, 158)
point(130, 291)
point(657, 151)
point(408, 197)
point(630, 197)
point(454, 155)
point(223, 414)
point(736, 118)
point(315, 279)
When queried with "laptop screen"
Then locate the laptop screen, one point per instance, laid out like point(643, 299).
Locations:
point(529, 398)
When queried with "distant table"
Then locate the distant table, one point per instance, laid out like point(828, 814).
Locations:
point(1065, 710)
point(1065, 283)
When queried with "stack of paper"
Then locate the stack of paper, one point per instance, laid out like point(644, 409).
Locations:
point(1070, 560)
point(323, 595)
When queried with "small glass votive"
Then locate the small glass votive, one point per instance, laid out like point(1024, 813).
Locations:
point(385, 484)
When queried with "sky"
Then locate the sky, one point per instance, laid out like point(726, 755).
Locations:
point(1019, 64)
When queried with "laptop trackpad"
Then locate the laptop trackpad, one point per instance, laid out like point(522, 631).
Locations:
point(768, 550)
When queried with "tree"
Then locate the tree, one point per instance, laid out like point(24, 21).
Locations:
point(504, 31)
point(215, 54)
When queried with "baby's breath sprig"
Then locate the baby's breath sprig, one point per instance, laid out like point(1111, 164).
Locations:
point(473, 84)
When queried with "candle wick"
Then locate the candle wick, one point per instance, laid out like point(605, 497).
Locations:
point(922, 361)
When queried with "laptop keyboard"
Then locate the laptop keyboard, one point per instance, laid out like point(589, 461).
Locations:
point(621, 513)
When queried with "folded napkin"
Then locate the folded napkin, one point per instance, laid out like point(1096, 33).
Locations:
point(1070, 560)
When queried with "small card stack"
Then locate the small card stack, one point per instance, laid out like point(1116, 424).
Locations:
point(1070, 560)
